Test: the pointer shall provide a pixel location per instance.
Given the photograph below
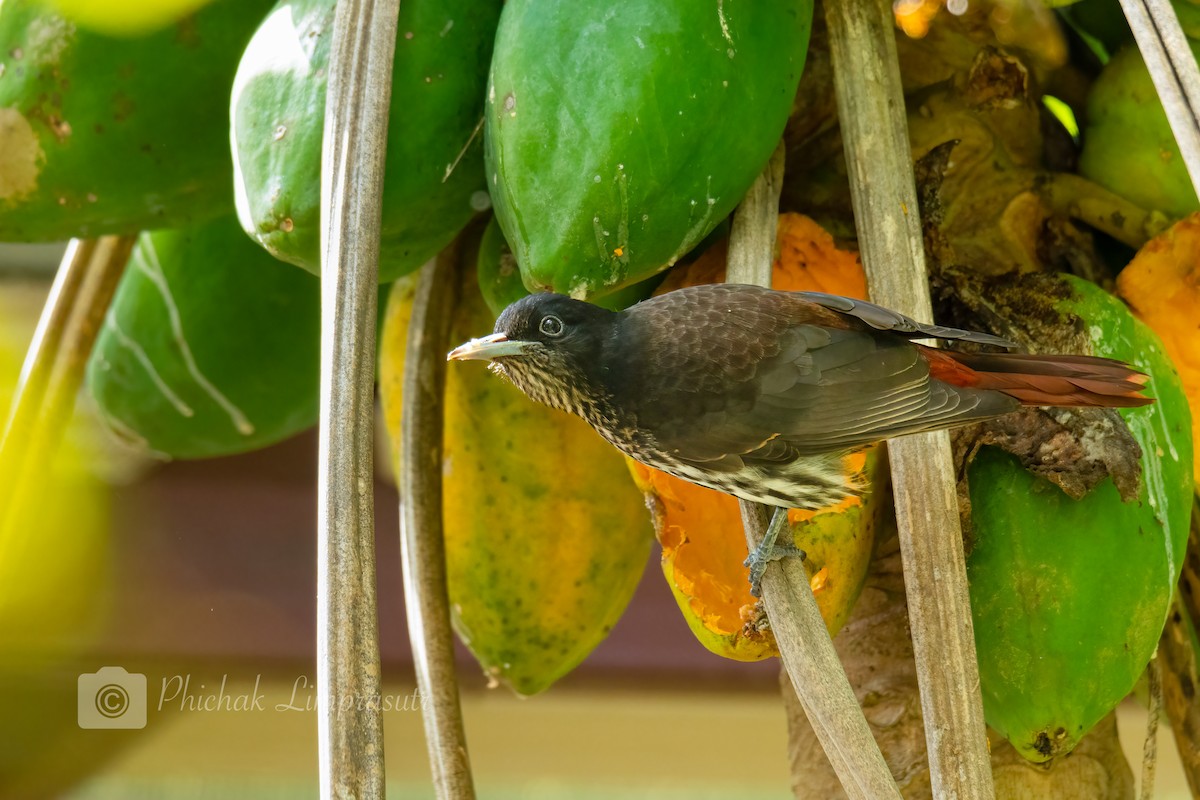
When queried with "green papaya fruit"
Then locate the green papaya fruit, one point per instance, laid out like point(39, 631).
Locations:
point(610, 171)
point(210, 347)
point(1069, 596)
point(500, 279)
point(1104, 28)
point(1128, 147)
point(433, 180)
point(101, 135)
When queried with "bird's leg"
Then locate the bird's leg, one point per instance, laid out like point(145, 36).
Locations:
point(770, 549)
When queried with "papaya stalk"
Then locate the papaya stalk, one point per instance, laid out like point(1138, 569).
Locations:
point(421, 314)
point(886, 213)
point(806, 651)
point(350, 756)
point(54, 366)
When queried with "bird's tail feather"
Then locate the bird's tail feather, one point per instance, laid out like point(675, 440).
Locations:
point(1044, 380)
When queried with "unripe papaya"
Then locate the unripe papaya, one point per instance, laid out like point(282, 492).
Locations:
point(610, 171)
point(500, 280)
point(433, 178)
point(211, 346)
point(1069, 596)
point(102, 135)
point(1128, 147)
point(546, 538)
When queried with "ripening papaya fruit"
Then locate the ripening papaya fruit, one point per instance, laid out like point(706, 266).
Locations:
point(211, 346)
point(1069, 596)
point(1162, 286)
point(700, 530)
point(704, 546)
point(545, 536)
point(101, 135)
point(433, 179)
point(1128, 146)
point(610, 171)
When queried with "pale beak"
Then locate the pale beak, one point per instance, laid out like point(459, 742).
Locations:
point(485, 348)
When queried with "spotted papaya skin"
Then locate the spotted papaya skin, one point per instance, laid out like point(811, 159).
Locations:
point(433, 176)
point(115, 135)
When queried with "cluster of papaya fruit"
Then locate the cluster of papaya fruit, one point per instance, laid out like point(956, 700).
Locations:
point(611, 141)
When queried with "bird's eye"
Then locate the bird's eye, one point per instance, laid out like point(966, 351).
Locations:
point(551, 325)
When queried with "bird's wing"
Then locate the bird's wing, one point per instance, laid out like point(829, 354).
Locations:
point(768, 378)
point(884, 319)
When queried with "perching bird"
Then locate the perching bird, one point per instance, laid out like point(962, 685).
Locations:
point(760, 393)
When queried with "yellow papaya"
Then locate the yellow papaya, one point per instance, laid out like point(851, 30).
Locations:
point(1162, 285)
point(130, 18)
point(545, 537)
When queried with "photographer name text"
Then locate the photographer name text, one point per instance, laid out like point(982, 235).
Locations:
point(178, 692)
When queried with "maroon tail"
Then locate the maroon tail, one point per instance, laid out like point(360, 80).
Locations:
point(1043, 380)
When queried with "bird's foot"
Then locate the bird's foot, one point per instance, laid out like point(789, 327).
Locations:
point(770, 549)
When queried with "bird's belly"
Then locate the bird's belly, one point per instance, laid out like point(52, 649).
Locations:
point(809, 483)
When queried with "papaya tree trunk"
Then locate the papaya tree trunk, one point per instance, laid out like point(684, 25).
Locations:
point(1178, 649)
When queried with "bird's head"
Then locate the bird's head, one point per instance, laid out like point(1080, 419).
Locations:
point(549, 345)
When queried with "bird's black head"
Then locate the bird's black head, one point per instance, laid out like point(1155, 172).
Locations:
point(549, 345)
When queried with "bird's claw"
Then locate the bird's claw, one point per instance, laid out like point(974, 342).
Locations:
point(768, 550)
point(757, 562)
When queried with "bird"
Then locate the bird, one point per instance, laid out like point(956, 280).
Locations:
point(761, 393)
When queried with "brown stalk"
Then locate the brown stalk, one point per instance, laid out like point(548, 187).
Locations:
point(349, 720)
point(804, 643)
point(423, 553)
point(874, 129)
